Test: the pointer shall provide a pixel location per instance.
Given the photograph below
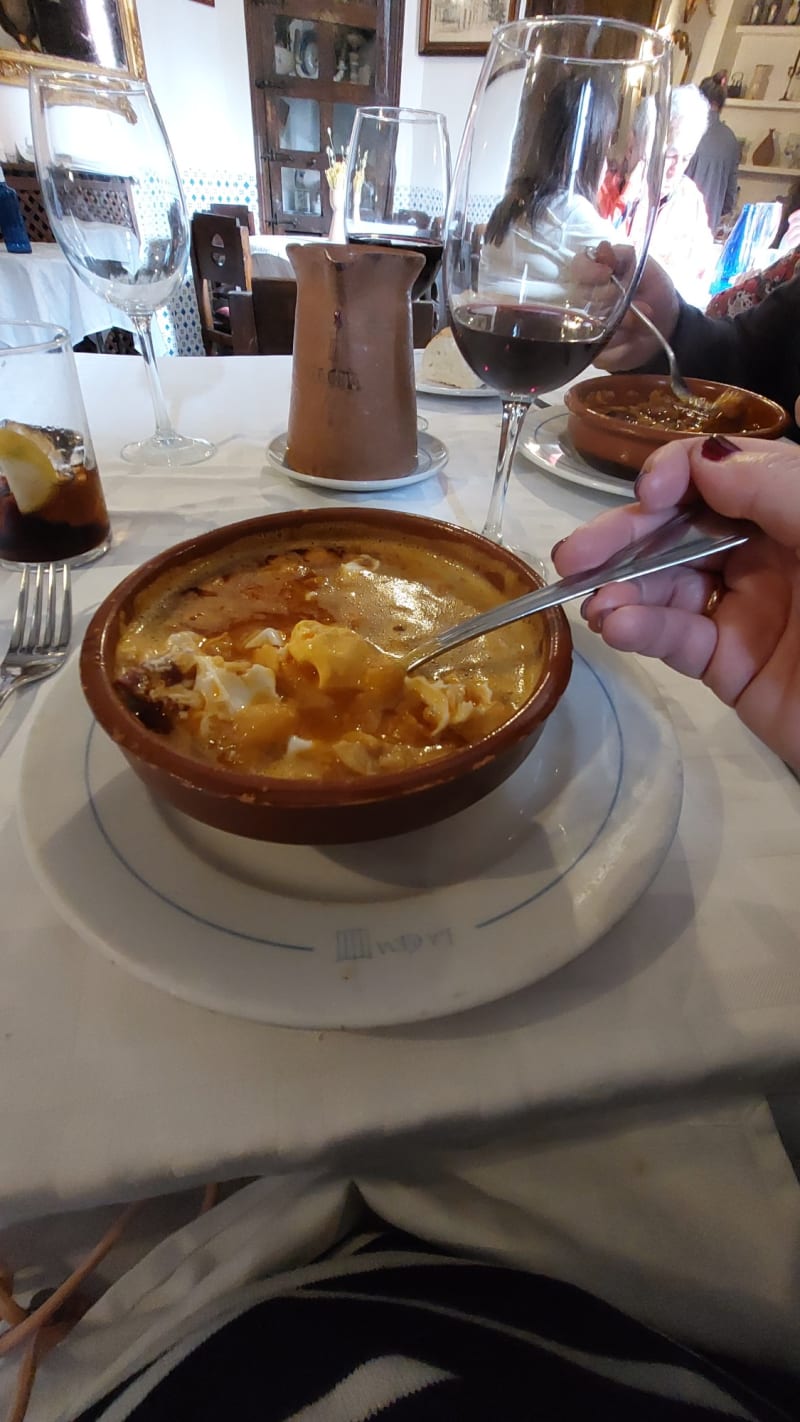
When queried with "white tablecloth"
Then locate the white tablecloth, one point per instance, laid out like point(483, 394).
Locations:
point(268, 254)
point(109, 1088)
point(40, 285)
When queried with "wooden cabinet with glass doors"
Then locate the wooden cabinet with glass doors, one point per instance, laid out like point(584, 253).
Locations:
point(311, 66)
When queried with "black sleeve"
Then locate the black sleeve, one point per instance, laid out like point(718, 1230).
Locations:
point(757, 350)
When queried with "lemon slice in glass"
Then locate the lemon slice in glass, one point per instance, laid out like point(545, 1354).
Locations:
point(26, 461)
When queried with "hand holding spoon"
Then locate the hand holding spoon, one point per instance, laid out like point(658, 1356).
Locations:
point(690, 536)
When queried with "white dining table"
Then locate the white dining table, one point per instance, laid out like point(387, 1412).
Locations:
point(268, 256)
point(111, 1088)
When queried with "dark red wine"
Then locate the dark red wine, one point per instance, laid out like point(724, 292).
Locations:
point(524, 349)
point(431, 250)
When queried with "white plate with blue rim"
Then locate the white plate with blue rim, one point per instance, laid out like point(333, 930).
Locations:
point(545, 442)
point(360, 936)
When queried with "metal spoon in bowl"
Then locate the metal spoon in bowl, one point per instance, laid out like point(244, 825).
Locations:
point(686, 538)
point(678, 385)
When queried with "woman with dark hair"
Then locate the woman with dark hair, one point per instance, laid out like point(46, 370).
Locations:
point(549, 212)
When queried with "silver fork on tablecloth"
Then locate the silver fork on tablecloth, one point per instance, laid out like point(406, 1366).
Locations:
point(41, 628)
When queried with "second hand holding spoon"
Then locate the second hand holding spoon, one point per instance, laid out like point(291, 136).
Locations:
point(678, 385)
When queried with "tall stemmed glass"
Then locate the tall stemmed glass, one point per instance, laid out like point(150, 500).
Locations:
point(397, 183)
point(556, 99)
point(114, 200)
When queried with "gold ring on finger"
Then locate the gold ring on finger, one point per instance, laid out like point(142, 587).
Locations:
point(714, 599)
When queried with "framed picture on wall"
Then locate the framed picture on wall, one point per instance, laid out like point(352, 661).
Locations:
point(465, 26)
point(639, 12)
point(102, 37)
point(461, 26)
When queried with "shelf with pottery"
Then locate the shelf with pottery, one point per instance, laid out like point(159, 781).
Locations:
point(775, 104)
point(755, 170)
point(768, 31)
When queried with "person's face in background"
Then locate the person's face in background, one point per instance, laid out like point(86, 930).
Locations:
point(682, 141)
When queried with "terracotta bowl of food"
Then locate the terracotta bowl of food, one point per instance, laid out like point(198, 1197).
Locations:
point(616, 421)
point(250, 676)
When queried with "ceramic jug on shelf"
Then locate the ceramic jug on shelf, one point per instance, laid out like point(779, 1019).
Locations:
point(764, 154)
point(353, 410)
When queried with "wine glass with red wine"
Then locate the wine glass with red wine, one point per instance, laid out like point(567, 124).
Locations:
point(397, 184)
point(565, 136)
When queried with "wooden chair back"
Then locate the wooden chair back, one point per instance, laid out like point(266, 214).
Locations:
point(262, 319)
point(91, 199)
point(37, 223)
point(239, 210)
point(221, 266)
point(423, 322)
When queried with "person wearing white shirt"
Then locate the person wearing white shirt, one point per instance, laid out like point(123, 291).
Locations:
point(548, 213)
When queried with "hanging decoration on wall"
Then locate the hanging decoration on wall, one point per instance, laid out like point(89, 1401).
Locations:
point(689, 7)
point(681, 56)
point(793, 86)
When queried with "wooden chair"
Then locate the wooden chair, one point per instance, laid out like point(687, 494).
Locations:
point(423, 322)
point(221, 266)
point(262, 319)
point(239, 210)
point(26, 186)
point(92, 198)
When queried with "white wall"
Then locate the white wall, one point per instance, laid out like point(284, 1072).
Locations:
point(196, 59)
point(441, 82)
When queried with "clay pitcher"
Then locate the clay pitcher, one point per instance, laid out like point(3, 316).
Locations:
point(353, 411)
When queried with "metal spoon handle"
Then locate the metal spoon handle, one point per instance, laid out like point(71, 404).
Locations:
point(676, 380)
point(686, 538)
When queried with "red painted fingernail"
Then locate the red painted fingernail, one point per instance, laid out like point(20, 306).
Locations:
point(717, 447)
point(556, 547)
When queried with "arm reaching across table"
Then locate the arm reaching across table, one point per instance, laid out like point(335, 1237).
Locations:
point(756, 350)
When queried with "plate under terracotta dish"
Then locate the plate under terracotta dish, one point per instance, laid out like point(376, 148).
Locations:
point(610, 442)
point(314, 811)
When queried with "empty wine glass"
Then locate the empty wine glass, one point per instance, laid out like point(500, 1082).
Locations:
point(556, 101)
point(114, 200)
point(397, 182)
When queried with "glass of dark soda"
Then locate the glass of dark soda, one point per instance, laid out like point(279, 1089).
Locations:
point(52, 507)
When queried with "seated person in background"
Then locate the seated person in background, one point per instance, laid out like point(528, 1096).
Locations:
point(751, 289)
point(714, 169)
point(619, 200)
point(757, 350)
point(549, 212)
point(681, 240)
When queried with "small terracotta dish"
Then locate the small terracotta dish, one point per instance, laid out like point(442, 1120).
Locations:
point(308, 811)
point(611, 441)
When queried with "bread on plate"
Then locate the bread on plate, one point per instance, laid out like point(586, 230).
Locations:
point(443, 364)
